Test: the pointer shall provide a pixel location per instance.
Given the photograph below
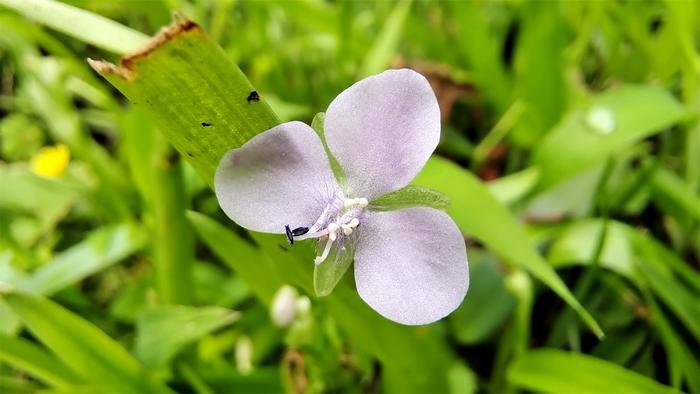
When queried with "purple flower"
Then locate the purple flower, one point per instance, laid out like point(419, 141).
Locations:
point(410, 263)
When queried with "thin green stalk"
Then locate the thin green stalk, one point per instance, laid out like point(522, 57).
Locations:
point(497, 133)
point(174, 239)
point(516, 338)
point(194, 380)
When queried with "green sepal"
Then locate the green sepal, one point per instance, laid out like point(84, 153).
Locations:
point(328, 273)
point(411, 196)
point(317, 124)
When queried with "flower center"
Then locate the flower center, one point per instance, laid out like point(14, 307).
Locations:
point(336, 223)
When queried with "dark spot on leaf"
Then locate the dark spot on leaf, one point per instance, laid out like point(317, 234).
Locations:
point(205, 124)
point(253, 96)
point(283, 248)
point(190, 154)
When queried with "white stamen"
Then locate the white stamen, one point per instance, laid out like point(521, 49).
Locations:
point(344, 221)
point(318, 260)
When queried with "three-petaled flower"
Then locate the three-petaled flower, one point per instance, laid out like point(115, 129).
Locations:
point(411, 263)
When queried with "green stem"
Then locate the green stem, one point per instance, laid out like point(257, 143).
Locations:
point(173, 238)
point(497, 133)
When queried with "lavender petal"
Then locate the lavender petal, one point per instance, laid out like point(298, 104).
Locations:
point(382, 130)
point(280, 177)
point(411, 265)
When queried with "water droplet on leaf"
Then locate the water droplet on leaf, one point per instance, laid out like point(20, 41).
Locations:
point(601, 120)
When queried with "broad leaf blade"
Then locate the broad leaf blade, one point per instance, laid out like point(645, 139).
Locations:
point(556, 371)
point(163, 331)
point(574, 144)
point(197, 97)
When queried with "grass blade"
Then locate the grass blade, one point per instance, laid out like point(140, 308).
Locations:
point(86, 26)
point(173, 237)
point(101, 249)
point(201, 106)
point(387, 41)
point(555, 371)
point(40, 364)
point(83, 347)
point(163, 331)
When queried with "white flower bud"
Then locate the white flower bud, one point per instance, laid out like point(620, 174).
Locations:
point(244, 355)
point(283, 306)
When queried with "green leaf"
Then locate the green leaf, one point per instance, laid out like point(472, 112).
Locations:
point(653, 251)
point(248, 261)
point(479, 214)
point(575, 144)
point(17, 385)
point(317, 124)
point(667, 184)
point(513, 187)
point(411, 196)
point(101, 249)
point(681, 358)
point(540, 70)
point(162, 332)
point(83, 347)
point(461, 379)
point(36, 361)
point(196, 96)
point(556, 371)
point(577, 245)
point(681, 301)
point(86, 26)
point(487, 304)
point(481, 50)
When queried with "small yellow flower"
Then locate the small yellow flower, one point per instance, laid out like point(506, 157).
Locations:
point(51, 161)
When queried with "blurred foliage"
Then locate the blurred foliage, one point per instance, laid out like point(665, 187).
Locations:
point(571, 141)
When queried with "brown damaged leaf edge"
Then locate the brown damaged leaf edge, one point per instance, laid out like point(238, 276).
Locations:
point(128, 63)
